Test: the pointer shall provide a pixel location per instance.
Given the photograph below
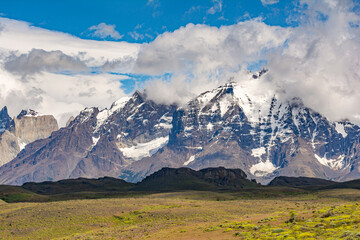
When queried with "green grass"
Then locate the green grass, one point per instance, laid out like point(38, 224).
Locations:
point(188, 215)
point(18, 194)
point(334, 222)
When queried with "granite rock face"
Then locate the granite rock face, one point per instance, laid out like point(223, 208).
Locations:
point(5, 120)
point(265, 137)
point(231, 126)
point(96, 143)
point(27, 127)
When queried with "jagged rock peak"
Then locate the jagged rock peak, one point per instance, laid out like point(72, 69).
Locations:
point(28, 113)
point(138, 98)
point(5, 119)
point(260, 73)
point(69, 121)
point(85, 115)
point(4, 112)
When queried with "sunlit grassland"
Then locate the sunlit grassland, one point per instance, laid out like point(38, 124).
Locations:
point(331, 214)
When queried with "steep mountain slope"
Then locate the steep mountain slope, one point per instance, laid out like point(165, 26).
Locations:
point(5, 120)
point(95, 144)
point(16, 133)
point(262, 135)
point(234, 126)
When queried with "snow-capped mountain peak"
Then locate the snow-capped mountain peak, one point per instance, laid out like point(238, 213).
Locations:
point(235, 125)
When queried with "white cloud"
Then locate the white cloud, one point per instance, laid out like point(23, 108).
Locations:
point(42, 55)
point(321, 64)
point(38, 60)
point(200, 57)
point(58, 94)
point(269, 2)
point(22, 37)
point(103, 30)
point(153, 3)
point(217, 7)
point(316, 61)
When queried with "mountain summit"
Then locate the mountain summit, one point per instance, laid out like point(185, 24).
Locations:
point(27, 127)
point(231, 126)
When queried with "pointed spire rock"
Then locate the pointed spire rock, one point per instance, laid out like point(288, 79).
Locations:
point(5, 119)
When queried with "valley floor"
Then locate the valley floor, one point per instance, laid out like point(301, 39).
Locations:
point(330, 214)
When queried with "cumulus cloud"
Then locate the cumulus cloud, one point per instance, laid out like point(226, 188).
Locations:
point(103, 30)
point(56, 67)
point(38, 60)
point(320, 63)
point(200, 56)
point(269, 2)
point(316, 61)
point(58, 94)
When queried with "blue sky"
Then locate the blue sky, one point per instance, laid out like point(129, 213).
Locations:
point(147, 18)
point(58, 57)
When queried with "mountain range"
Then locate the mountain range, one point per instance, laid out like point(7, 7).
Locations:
point(17, 132)
point(230, 126)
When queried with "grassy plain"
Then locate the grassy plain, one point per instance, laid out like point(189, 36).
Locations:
point(326, 214)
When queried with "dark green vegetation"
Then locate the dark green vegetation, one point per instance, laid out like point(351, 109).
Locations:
point(233, 182)
point(214, 203)
point(325, 214)
point(209, 179)
point(165, 180)
point(300, 182)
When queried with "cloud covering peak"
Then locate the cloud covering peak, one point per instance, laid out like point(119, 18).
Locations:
point(315, 59)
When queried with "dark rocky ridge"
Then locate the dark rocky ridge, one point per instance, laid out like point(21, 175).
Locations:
point(5, 120)
point(188, 179)
point(284, 181)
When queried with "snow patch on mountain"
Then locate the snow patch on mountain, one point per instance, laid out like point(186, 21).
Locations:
point(164, 122)
point(191, 159)
point(209, 126)
point(22, 144)
point(197, 148)
point(205, 98)
point(225, 103)
point(95, 140)
point(258, 152)
point(336, 163)
point(254, 105)
point(106, 113)
point(85, 114)
point(262, 168)
point(29, 113)
point(340, 128)
point(142, 150)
